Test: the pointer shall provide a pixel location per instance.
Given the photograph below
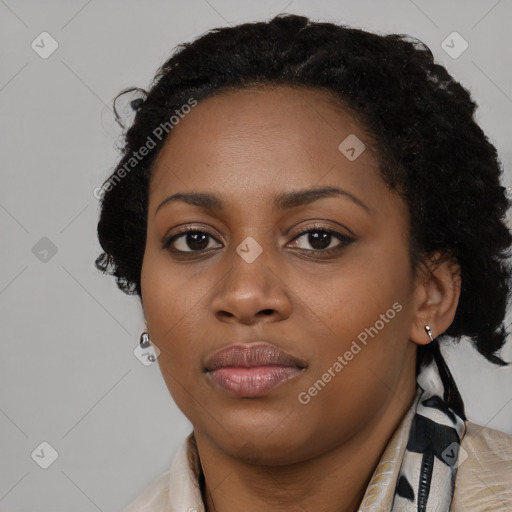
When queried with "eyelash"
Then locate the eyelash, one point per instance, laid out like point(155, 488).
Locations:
point(343, 239)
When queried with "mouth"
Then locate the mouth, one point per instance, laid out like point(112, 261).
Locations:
point(251, 370)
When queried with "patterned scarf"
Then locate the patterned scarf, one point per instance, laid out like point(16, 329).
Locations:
point(429, 466)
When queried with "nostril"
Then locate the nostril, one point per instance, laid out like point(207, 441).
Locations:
point(226, 314)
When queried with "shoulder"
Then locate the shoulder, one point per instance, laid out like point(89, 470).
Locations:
point(154, 498)
point(176, 489)
point(484, 477)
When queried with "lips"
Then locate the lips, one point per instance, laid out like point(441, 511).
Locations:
point(251, 370)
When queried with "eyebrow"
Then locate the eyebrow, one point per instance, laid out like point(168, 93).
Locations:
point(284, 201)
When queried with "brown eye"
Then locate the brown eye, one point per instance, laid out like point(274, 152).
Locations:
point(190, 240)
point(322, 239)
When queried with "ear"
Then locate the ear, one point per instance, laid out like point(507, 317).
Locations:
point(436, 296)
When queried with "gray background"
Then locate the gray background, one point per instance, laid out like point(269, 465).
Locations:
point(68, 375)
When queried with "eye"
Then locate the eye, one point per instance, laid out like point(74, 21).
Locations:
point(189, 240)
point(321, 240)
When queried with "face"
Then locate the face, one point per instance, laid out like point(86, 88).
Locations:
point(323, 277)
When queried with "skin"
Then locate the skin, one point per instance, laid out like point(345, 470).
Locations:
point(247, 147)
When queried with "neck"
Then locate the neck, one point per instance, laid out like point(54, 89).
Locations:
point(341, 475)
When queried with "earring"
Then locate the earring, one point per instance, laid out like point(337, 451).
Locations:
point(144, 340)
point(145, 343)
point(429, 332)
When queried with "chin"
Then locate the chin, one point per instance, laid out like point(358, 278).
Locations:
point(268, 442)
point(260, 451)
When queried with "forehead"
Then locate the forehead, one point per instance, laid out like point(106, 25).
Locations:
point(262, 131)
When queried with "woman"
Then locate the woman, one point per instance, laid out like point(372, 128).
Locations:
point(307, 211)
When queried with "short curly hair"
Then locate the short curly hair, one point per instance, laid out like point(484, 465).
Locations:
point(430, 149)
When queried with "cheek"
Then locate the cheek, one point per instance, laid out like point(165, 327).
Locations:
point(172, 310)
point(168, 292)
point(169, 307)
point(356, 295)
point(366, 306)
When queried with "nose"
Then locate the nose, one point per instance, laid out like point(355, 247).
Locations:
point(252, 293)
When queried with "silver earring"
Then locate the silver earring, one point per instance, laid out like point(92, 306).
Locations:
point(429, 332)
point(144, 340)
